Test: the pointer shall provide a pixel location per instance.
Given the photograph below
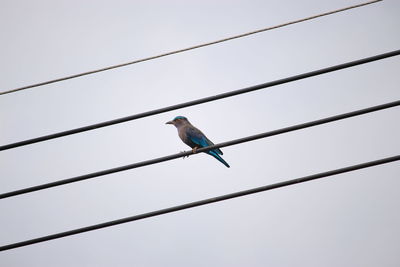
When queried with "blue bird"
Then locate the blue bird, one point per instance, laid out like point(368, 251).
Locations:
point(194, 138)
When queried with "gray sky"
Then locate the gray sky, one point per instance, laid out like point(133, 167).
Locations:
point(347, 220)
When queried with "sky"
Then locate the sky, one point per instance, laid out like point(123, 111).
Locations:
point(350, 219)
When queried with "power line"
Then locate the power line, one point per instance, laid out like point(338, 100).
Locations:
point(188, 153)
point(201, 202)
point(185, 49)
point(202, 100)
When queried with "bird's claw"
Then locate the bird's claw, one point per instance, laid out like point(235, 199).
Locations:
point(194, 151)
point(186, 156)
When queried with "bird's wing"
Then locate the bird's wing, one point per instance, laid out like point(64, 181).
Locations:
point(197, 137)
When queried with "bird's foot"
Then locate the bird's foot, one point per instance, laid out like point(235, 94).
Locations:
point(184, 156)
point(194, 151)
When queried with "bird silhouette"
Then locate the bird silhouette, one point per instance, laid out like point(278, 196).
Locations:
point(194, 138)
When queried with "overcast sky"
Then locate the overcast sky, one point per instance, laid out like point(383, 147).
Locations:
point(346, 220)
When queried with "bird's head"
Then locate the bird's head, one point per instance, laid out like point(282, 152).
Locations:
point(178, 121)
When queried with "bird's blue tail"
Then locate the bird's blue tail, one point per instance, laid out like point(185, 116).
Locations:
point(218, 157)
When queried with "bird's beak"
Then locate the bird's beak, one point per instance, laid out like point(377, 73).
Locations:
point(169, 122)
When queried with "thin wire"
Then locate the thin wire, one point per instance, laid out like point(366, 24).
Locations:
point(188, 153)
point(201, 202)
point(201, 100)
point(186, 49)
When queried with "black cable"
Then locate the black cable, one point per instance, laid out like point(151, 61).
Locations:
point(202, 100)
point(185, 49)
point(187, 153)
point(201, 203)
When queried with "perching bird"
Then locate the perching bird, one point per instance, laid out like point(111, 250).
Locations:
point(194, 138)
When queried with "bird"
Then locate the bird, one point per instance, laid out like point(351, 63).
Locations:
point(194, 138)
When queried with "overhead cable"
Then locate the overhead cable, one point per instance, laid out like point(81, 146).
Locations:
point(204, 149)
point(200, 203)
point(184, 49)
point(201, 100)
